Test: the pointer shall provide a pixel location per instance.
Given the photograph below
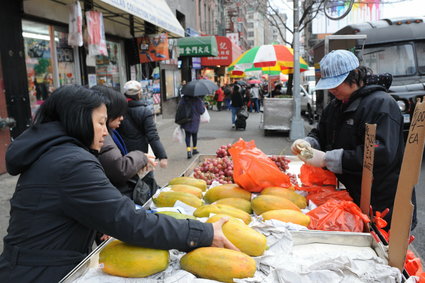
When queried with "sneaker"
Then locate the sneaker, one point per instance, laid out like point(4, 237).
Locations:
point(233, 126)
point(195, 151)
point(189, 155)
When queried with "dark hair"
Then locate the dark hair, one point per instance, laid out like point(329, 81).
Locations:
point(358, 76)
point(72, 106)
point(117, 105)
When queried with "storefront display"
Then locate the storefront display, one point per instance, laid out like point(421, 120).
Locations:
point(108, 67)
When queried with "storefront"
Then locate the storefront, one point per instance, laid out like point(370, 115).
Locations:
point(38, 59)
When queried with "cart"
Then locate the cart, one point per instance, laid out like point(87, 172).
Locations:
point(277, 114)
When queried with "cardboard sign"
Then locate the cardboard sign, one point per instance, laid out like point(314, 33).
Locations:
point(409, 176)
point(367, 174)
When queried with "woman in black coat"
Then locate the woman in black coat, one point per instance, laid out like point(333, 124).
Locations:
point(63, 196)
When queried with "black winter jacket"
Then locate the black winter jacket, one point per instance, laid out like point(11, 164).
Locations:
point(342, 125)
point(62, 197)
point(138, 130)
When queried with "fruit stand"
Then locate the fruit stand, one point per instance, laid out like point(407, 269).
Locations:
point(287, 243)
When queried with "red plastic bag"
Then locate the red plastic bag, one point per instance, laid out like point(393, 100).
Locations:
point(337, 215)
point(253, 170)
point(315, 176)
point(325, 194)
point(413, 266)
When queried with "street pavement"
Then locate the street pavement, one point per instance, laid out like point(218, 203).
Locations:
point(210, 137)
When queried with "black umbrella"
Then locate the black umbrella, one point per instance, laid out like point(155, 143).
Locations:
point(199, 88)
point(242, 83)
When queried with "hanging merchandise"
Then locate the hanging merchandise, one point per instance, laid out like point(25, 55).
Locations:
point(96, 34)
point(153, 47)
point(75, 36)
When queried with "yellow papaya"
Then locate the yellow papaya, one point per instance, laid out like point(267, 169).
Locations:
point(218, 264)
point(287, 215)
point(189, 181)
point(177, 215)
point(206, 210)
point(246, 239)
point(298, 199)
point(264, 203)
point(226, 191)
point(121, 259)
point(167, 199)
point(187, 189)
point(239, 203)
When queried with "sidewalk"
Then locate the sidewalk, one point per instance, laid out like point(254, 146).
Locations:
point(210, 137)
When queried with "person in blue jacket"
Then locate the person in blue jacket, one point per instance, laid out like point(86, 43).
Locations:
point(63, 196)
point(338, 141)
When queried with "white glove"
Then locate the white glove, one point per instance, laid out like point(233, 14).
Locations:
point(299, 145)
point(317, 160)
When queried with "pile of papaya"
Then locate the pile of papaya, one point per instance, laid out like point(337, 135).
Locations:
point(226, 200)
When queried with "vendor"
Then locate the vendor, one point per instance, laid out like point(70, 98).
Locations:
point(338, 140)
point(63, 196)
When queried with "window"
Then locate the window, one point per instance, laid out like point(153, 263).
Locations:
point(251, 34)
point(108, 67)
point(398, 60)
point(420, 54)
point(251, 25)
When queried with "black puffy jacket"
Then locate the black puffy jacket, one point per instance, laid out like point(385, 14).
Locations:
point(138, 130)
point(342, 125)
point(62, 197)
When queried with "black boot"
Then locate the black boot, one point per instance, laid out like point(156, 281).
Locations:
point(195, 151)
point(189, 155)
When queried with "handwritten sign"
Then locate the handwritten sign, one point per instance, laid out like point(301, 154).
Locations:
point(409, 176)
point(367, 174)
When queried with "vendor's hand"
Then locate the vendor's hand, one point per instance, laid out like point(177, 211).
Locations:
point(318, 159)
point(151, 162)
point(163, 163)
point(219, 240)
point(105, 237)
point(299, 145)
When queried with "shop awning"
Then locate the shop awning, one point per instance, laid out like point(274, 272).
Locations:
point(227, 52)
point(156, 12)
point(197, 46)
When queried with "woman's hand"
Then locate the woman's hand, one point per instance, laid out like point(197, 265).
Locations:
point(151, 162)
point(219, 240)
point(105, 237)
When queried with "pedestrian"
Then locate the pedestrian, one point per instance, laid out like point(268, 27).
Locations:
point(191, 128)
point(237, 102)
point(138, 129)
point(227, 96)
point(219, 97)
point(63, 196)
point(121, 166)
point(338, 140)
point(255, 95)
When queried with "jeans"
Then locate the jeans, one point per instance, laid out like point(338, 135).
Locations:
point(255, 104)
point(234, 113)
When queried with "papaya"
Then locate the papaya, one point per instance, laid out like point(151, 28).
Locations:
point(264, 203)
point(177, 215)
point(206, 210)
point(167, 199)
point(298, 199)
point(246, 239)
point(187, 189)
point(287, 215)
point(218, 264)
point(239, 203)
point(189, 181)
point(121, 259)
point(226, 191)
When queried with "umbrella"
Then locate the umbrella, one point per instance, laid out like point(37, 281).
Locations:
point(278, 57)
point(241, 83)
point(254, 81)
point(199, 88)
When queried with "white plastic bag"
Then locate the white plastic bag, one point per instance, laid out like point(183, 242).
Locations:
point(205, 117)
point(178, 135)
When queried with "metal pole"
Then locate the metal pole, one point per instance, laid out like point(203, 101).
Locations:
point(297, 123)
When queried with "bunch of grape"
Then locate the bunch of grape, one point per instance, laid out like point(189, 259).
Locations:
point(223, 150)
point(281, 161)
point(215, 169)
